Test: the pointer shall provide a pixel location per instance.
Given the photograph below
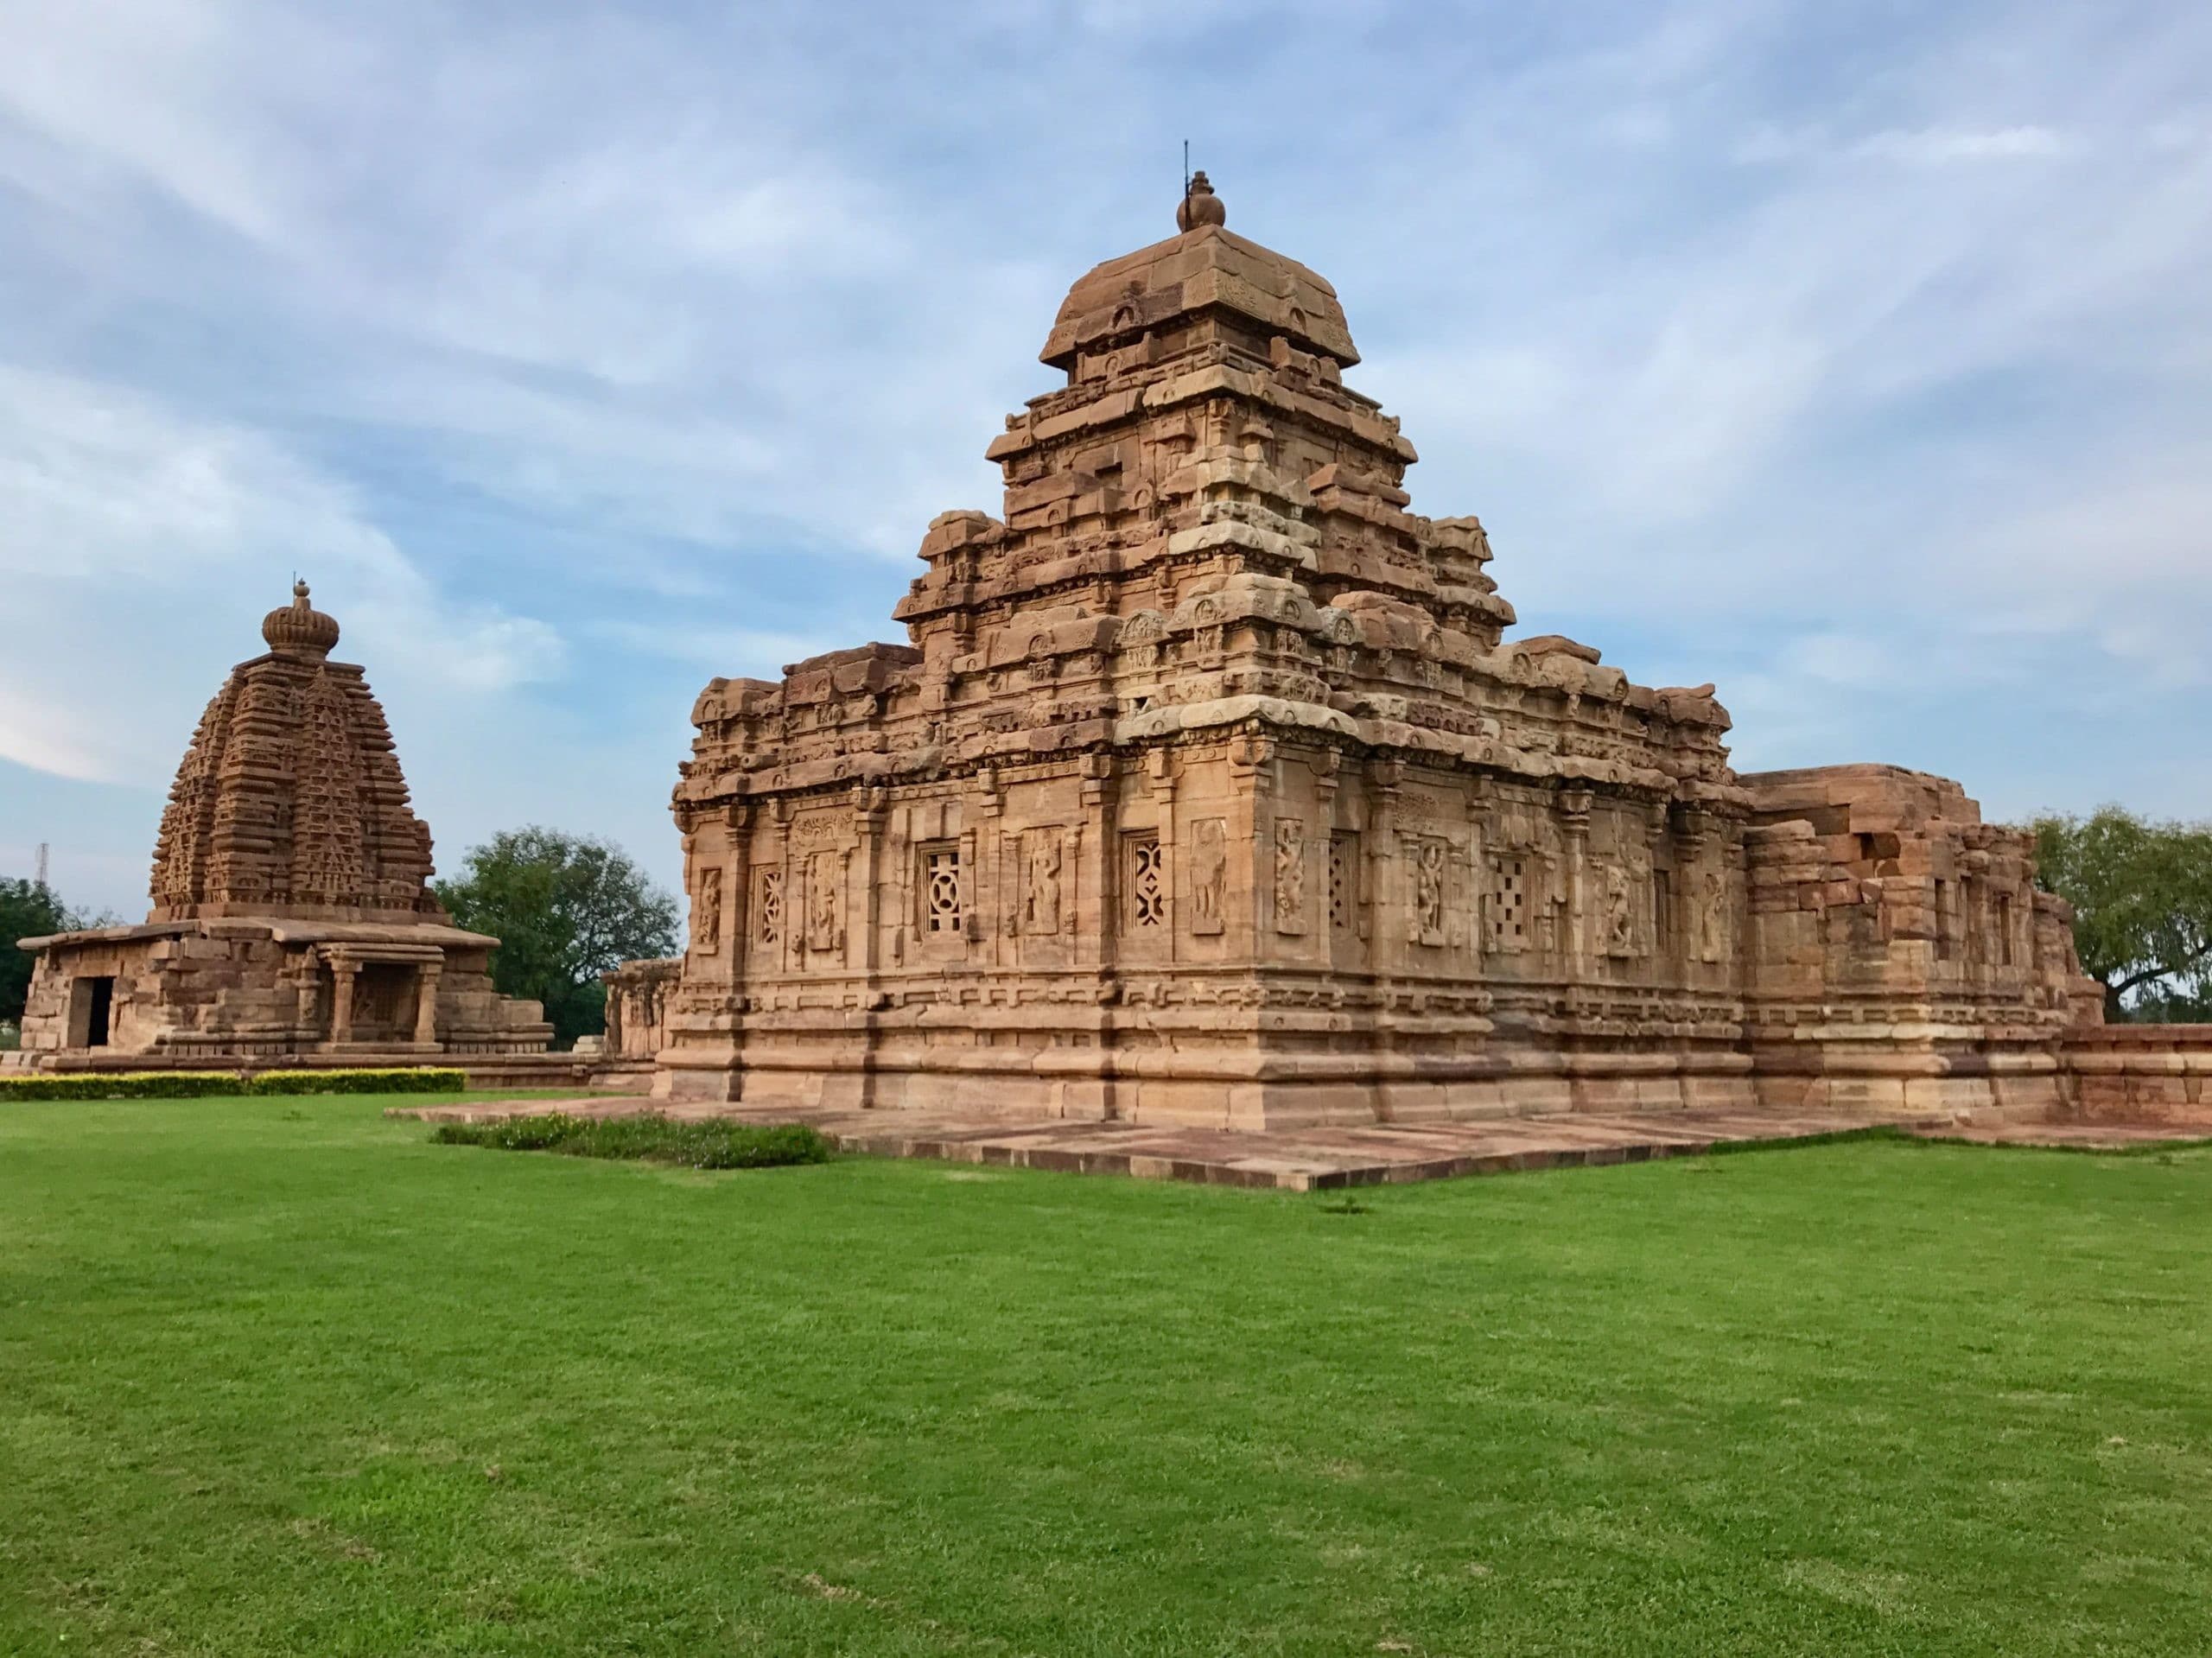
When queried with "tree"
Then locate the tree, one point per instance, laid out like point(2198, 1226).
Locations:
point(565, 908)
point(27, 911)
point(2142, 899)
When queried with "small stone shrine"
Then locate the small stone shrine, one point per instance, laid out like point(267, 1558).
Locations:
point(292, 914)
point(1208, 789)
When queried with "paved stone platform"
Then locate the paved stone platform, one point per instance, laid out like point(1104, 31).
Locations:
point(2076, 1136)
point(1291, 1160)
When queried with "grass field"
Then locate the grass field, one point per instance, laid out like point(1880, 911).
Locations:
point(280, 1376)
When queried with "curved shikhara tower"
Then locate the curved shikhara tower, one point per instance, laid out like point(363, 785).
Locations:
point(292, 914)
point(290, 800)
point(1207, 789)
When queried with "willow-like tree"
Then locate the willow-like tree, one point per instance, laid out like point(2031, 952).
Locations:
point(565, 908)
point(2142, 897)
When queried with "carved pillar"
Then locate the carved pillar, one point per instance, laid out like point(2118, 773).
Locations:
point(737, 887)
point(871, 807)
point(426, 1002)
point(1478, 815)
point(1387, 777)
point(1245, 894)
point(1160, 767)
point(1098, 829)
point(987, 885)
point(793, 919)
point(1574, 822)
point(342, 969)
point(613, 1039)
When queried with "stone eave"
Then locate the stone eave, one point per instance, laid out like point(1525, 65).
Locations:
point(278, 928)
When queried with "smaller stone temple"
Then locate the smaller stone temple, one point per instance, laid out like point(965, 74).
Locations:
point(292, 912)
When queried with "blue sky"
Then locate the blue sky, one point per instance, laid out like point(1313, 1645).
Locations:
point(1856, 358)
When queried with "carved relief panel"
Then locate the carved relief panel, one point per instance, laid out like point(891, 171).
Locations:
point(1618, 932)
point(1425, 859)
point(1209, 873)
point(1712, 915)
point(825, 902)
point(1290, 875)
point(1043, 855)
point(707, 911)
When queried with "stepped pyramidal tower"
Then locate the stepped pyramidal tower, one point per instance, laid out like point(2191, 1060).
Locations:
point(292, 912)
point(1207, 789)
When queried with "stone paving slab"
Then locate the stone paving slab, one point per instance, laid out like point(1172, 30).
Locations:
point(1297, 1160)
point(2077, 1136)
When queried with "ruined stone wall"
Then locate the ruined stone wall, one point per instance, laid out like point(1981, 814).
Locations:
point(637, 992)
point(1900, 957)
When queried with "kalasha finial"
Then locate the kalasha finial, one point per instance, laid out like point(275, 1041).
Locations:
point(299, 626)
point(1199, 206)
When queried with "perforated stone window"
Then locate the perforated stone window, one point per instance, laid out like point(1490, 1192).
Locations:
point(1344, 864)
point(1508, 903)
point(1147, 881)
point(768, 907)
point(941, 889)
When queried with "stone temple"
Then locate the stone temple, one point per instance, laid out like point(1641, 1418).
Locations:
point(292, 915)
point(1207, 789)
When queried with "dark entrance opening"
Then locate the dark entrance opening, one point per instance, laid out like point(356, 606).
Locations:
point(100, 1007)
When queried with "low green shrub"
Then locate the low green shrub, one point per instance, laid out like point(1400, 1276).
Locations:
point(652, 1138)
point(121, 1085)
point(410, 1079)
point(203, 1084)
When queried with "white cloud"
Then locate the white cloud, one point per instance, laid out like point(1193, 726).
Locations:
point(1940, 147)
point(640, 321)
point(146, 544)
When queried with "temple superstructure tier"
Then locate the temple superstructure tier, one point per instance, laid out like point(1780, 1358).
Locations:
point(1207, 788)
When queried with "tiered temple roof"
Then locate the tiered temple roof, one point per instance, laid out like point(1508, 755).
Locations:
point(290, 800)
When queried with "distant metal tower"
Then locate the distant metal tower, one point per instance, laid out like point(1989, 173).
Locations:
point(39, 877)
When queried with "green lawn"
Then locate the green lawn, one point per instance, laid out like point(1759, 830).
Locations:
point(281, 1376)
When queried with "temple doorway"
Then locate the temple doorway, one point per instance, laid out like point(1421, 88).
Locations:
point(91, 1011)
point(384, 1003)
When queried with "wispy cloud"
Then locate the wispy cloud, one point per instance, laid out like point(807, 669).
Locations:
point(1857, 361)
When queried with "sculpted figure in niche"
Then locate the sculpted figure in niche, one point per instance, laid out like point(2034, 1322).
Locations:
point(707, 918)
point(1290, 875)
point(823, 902)
point(1209, 870)
point(1041, 896)
point(1620, 925)
point(1428, 892)
point(1712, 917)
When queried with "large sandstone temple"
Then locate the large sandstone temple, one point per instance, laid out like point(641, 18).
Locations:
point(1208, 789)
point(292, 914)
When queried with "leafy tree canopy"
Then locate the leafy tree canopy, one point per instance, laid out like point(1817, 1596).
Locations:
point(2142, 899)
point(565, 908)
point(27, 911)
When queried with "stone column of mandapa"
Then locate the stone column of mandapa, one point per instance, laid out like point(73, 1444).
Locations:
point(426, 1003)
